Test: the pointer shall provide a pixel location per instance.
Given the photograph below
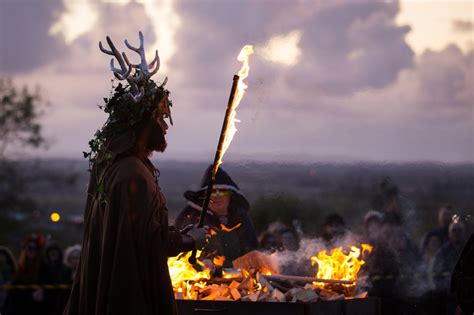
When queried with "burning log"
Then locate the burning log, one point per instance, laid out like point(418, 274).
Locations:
point(278, 296)
point(283, 287)
point(247, 284)
point(235, 294)
point(306, 295)
point(234, 284)
point(256, 260)
point(300, 279)
point(327, 294)
point(264, 282)
point(251, 297)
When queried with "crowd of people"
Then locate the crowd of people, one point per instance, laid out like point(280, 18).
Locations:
point(37, 281)
point(398, 269)
point(412, 277)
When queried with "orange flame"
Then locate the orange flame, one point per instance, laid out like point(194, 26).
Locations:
point(184, 277)
point(339, 265)
point(190, 284)
point(366, 249)
point(226, 229)
point(244, 54)
point(219, 260)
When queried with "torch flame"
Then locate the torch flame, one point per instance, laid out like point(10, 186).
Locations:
point(244, 54)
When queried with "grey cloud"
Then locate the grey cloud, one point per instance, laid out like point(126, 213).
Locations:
point(24, 40)
point(381, 105)
point(345, 45)
point(211, 35)
point(123, 22)
point(352, 46)
point(445, 80)
point(463, 26)
point(426, 114)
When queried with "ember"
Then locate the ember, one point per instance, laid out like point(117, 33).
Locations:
point(226, 229)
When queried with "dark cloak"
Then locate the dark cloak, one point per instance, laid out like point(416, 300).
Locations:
point(462, 281)
point(123, 266)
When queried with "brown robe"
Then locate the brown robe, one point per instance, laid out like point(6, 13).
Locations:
point(123, 266)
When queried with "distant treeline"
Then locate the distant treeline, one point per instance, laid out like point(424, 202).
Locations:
point(285, 192)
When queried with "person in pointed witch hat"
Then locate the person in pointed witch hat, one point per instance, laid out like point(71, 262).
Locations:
point(228, 216)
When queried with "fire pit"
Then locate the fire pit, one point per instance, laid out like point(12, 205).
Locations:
point(334, 290)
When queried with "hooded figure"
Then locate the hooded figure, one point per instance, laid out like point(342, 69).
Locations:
point(126, 238)
point(54, 272)
point(27, 301)
point(227, 216)
point(71, 257)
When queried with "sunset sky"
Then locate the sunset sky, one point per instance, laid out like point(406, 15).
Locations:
point(330, 80)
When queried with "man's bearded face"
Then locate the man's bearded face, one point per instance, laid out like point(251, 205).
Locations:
point(157, 141)
point(159, 127)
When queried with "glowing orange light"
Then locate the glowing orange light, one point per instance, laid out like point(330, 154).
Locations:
point(55, 217)
point(226, 229)
point(366, 249)
point(184, 277)
point(219, 261)
point(337, 264)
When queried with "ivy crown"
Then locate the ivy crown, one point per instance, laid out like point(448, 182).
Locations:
point(125, 114)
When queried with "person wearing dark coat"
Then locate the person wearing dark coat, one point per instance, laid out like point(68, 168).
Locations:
point(443, 267)
point(228, 210)
point(445, 214)
point(54, 272)
point(462, 281)
point(333, 229)
point(126, 241)
point(446, 258)
point(27, 301)
point(7, 272)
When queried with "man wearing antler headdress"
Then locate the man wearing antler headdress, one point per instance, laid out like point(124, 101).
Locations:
point(126, 242)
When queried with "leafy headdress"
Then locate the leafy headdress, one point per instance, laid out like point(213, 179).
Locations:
point(129, 104)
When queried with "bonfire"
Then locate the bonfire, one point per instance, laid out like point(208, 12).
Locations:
point(336, 278)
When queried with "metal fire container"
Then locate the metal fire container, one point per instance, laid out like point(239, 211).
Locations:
point(367, 306)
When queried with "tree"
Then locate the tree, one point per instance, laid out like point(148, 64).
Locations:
point(20, 111)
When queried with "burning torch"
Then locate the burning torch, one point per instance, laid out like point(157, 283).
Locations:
point(228, 129)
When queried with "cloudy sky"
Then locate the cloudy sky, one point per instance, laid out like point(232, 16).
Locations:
point(329, 80)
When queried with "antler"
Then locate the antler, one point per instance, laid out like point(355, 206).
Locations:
point(125, 72)
point(143, 65)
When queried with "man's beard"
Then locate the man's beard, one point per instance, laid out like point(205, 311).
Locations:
point(162, 146)
point(157, 140)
